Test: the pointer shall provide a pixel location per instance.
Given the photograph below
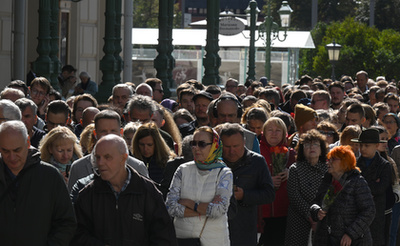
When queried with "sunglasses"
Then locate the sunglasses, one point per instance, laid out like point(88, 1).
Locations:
point(200, 144)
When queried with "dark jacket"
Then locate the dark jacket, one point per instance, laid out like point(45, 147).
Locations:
point(351, 212)
point(41, 212)
point(138, 217)
point(252, 175)
point(379, 177)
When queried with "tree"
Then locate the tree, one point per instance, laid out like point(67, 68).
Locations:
point(363, 48)
point(145, 14)
point(386, 12)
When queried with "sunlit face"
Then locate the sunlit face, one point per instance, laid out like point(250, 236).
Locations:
point(128, 138)
point(334, 166)
point(62, 151)
point(187, 102)
point(120, 97)
point(368, 150)
point(158, 93)
point(362, 80)
point(354, 119)
point(383, 146)
point(227, 112)
point(81, 105)
point(37, 93)
point(231, 87)
point(390, 124)
point(201, 154)
point(273, 133)
point(146, 146)
point(312, 149)
point(107, 126)
point(14, 150)
point(232, 147)
point(337, 95)
point(201, 106)
point(255, 126)
point(393, 105)
point(29, 118)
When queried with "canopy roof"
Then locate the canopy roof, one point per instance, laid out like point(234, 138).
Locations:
point(197, 37)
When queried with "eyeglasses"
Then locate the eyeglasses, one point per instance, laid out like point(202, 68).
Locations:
point(389, 122)
point(327, 133)
point(200, 144)
point(309, 145)
point(36, 92)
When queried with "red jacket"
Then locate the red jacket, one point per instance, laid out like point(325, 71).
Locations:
point(279, 208)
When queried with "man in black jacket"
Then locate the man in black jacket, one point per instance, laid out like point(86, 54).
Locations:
point(34, 204)
point(252, 184)
point(120, 207)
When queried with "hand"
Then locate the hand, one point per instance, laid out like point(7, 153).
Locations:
point(346, 240)
point(284, 175)
point(277, 180)
point(64, 174)
point(321, 214)
point(217, 199)
point(238, 193)
point(43, 106)
point(187, 203)
point(313, 224)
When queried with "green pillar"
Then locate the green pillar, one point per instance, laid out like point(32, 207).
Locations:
point(55, 10)
point(43, 66)
point(252, 50)
point(108, 64)
point(162, 62)
point(171, 81)
point(118, 47)
point(267, 25)
point(212, 61)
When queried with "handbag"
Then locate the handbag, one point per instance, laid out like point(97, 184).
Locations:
point(192, 241)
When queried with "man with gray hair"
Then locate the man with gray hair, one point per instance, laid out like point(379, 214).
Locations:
point(252, 182)
point(29, 117)
point(11, 94)
point(144, 90)
point(121, 93)
point(118, 190)
point(35, 206)
point(9, 111)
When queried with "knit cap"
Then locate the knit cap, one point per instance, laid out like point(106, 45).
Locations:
point(302, 114)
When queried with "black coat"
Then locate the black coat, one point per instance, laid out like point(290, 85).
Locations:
point(351, 212)
point(138, 217)
point(379, 177)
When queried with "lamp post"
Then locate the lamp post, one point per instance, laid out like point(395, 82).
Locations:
point(252, 16)
point(333, 54)
point(269, 27)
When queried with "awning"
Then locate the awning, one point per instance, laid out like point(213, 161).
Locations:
point(197, 37)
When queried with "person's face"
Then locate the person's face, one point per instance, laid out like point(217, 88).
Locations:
point(362, 80)
point(390, 124)
point(120, 97)
point(53, 120)
point(128, 138)
point(187, 102)
point(201, 153)
point(354, 119)
point(62, 151)
point(81, 105)
point(355, 147)
point(14, 150)
point(273, 134)
point(140, 115)
point(383, 146)
point(311, 124)
point(109, 161)
point(200, 107)
point(393, 105)
point(368, 150)
point(231, 87)
point(227, 112)
point(248, 103)
point(232, 147)
point(144, 90)
point(104, 127)
point(381, 113)
point(158, 119)
point(158, 93)
point(241, 90)
point(29, 118)
point(37, 94)
point(255, 126)
point(334, 166)
point(372, 98)
point(312, 150)
point(328, 135)
point(337, 95)
point(146, 146)
point(84, 80)
point(318, 103)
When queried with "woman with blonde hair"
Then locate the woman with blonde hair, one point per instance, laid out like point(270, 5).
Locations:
point(60, 148)
point(149, 147)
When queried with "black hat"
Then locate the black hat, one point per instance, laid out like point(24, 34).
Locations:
point(368, 136)
point(205, 94)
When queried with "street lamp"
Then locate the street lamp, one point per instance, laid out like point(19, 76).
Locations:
point(269, 26)
point(333, 53)
point(252, 16)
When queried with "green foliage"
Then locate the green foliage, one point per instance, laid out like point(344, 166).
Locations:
point(145, 14)
point(363, 48)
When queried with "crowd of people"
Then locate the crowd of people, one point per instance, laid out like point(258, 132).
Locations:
point(314, 163)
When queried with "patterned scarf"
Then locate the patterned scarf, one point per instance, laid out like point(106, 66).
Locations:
point(214, 159)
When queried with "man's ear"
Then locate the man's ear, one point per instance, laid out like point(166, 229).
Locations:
point(95, 134)
point(121, 131)
point(363, 120)
point(28, 141)
point(68, 121)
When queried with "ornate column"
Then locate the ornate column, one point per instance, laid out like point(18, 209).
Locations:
point(118, 47)
point(55, 10)
point(212, 61)
point(108, 64)
point(43, 66)
point(171, 82)
point(162, 62)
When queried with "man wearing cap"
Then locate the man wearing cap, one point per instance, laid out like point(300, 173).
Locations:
point(377, 172)
point(305, 119)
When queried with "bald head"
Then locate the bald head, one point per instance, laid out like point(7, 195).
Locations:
point(88, 115)
point(144, 89)
point(113, 142)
